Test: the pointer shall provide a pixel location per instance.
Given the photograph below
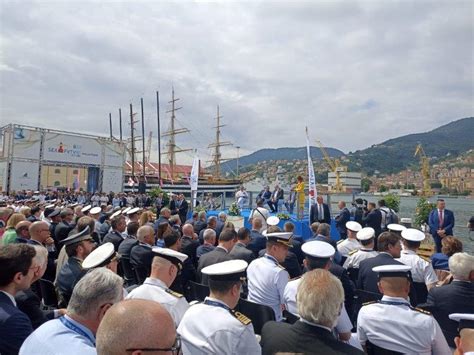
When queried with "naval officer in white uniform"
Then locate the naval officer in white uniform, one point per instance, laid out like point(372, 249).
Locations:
point(318, 256)
point(267, 279)
point(345, 246)
point(366, 238)
point(74, 333)
point(421, 270)
point(212, 327)
point(165, 266)
point(393, 324)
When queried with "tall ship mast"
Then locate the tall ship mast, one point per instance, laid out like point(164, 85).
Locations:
point(217, 156)
point(172, 147)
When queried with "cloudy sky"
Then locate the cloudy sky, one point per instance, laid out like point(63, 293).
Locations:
point(356, 73)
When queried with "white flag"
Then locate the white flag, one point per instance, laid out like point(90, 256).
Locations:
point(194, 179)
point(312, 192)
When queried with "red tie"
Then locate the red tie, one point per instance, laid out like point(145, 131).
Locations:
point(441, 220)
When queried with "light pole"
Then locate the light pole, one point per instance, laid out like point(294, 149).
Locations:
point(238, 150)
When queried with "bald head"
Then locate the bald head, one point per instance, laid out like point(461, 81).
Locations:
point(135, 324)
point(188, 230)
point(36, 231)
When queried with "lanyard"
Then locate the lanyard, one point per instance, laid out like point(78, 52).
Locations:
point(216, 304)
point(68, 324)
point(269, 257)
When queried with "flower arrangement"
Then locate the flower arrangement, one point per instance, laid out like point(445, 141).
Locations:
point(283, 216)
point(234, 210)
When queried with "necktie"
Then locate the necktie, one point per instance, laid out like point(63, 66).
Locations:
point(441, 220)
point(321, 213)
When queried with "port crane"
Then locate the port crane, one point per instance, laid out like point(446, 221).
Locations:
point(425, 170)
point(336, 167)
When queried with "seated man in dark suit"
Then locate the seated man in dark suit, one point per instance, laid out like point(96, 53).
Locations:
point(257, 240)
point(209, 243)
point(227, 241)
point(119, 225)
point(28, 302)
point(201, 223)
point(456, 297)
point(211, 224)
point(141, 254)
point(240, 251)
point(318, 311)
point(189, 245)
point(65, 226)
point(389, 248)
point(17, 270)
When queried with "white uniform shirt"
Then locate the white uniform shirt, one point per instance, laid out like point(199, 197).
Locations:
point(56, 338)
point(156, 290)
point(354, 260)
point(213, 329)
point(421, 270)
point(398, 327)
point(343, 325)
point(267, 280)
point(344, 247)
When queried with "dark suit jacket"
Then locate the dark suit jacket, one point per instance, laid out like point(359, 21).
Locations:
point(199, 226)
point(189, 247)
point(448, 222)
point(125, 248)
point(141, 257)
point(347, 285)
point(219, 228)
point(301, 338)
point(113, 237)
point(257, 242)
point(457, 297)
point(373, 219)
point(240, 251)
point(62, 231)
point(173, 207)
point(15, 326)
point(341, 221)
point(213, 257)
point(367, 279)
point(313, 214)
point(29, 303)
point(158, 221)
point(183, 210)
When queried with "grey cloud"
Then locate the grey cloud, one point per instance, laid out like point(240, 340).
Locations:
point(355, 73)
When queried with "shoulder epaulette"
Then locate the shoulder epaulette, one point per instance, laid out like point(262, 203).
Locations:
point(367, 303)
point(174, 293)
point(353, 251)
point(242, 318)
point(281, 266)
point(421, 310)
point(340, 241)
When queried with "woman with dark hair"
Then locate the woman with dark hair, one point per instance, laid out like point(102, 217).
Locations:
point(164, 229)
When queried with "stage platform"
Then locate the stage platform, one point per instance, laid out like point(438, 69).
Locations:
point(301, 226)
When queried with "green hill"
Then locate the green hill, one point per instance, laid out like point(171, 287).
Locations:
point(268, 154)
point(396, 154)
